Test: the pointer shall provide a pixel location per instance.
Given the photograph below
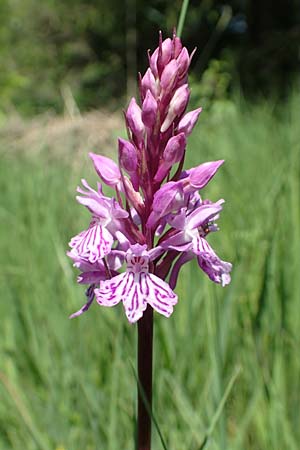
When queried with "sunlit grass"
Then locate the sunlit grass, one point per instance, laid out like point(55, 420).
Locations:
point(227, 365)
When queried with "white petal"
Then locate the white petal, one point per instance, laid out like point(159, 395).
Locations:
point(160, 295)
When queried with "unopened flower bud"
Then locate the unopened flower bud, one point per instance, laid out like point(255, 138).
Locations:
point(183, 61)
point(198, 177)
point(129, 161)
point(177, 106)
point(174, 149)
point(128, 156)
point(107, 169)
point(149, 110)
point(164, 54)
point(168, 198)
point(169, 75)
point(177, 46)
point(153, 62)
point(188, 121)
point(134, 119)
point(148, 82)
point(172, 154)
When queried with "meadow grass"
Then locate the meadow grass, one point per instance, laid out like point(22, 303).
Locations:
point(227, 363)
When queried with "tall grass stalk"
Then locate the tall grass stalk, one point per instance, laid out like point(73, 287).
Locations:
point(182, 15)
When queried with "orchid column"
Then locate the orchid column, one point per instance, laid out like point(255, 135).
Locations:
point(157, 220)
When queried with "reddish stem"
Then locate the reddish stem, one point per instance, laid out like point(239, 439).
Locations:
point(145, 353)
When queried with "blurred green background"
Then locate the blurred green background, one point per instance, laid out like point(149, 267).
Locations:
point(93, 49)
point(227, 363)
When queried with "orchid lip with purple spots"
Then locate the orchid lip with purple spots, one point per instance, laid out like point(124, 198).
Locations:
point(137, 288)
point(136, 242)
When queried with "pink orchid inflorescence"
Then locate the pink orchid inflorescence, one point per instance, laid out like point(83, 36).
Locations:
point(150, 227)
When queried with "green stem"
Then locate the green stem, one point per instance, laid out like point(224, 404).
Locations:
point(145, 356)
point(183, 11)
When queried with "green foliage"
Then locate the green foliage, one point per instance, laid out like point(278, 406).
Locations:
point(214, 84)
point(66, 43)
point(83, 45)
point(227, 365)
point(95, 48)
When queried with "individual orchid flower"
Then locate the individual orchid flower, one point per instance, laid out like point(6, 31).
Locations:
point(190, 238)
point(92, 273)
point(96, 242)
point(192, 227)
point(137, 288)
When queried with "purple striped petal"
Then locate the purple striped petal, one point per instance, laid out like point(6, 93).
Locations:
point(92, 244)
point(136, 290)
point(135, 303)
point(125, 287)
point(112, 291)
point(217, 270)
point(160, 295)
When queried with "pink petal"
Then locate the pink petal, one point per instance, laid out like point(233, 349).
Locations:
point(159, 294)
point(136, 291)
point(202, 214)
point(92, 244)
point(134, 119)
point(149, 110)
point(126, 288)
point(107, 169)
point(188, 121)
point(217, 270)
point(180, 241)
point(201, 175)
point(135, 301)
point(112, 291)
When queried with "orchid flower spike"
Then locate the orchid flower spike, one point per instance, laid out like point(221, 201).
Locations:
point(116, 254)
